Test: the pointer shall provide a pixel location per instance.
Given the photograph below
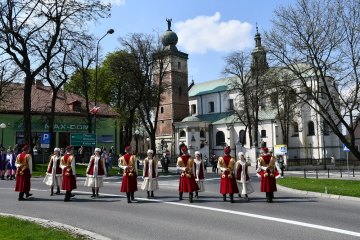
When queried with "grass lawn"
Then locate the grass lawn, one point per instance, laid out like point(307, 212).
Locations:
point(334, 186)
point(13, 228)
point(81, 170)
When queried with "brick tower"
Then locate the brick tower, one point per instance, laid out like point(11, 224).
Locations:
point(175, 104)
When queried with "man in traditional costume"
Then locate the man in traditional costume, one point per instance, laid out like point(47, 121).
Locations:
point(2, 163)
point(227, 181)
point(242, 177)
point(54, 172)
point(67, 164)
point(150, 174)
point(95, 173)
point(267, 173)
point(24, 173)
point(187, 183)
point(199, 173)
point(129, 182)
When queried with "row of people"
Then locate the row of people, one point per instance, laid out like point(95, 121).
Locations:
point(234, 174)
point(8, 161)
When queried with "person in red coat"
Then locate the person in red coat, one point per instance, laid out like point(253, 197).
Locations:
point(187, 183)
point(23, 173)
point(266, 170)
point(129, 182)
point(228, 181)
point(67, 164)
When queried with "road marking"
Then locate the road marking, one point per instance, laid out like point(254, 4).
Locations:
point(275, 219)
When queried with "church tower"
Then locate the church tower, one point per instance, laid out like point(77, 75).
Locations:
point(259, 64)
point(175, 104)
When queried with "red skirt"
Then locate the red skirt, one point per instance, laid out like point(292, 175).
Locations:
point(267, 184)
point(228, 185)
point(129, 184)
point(188, 184)
point(68, 183)
point(23, 181)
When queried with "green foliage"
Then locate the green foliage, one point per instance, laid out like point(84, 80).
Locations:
point(334, 186)
point(80, 170)
point(13, 228)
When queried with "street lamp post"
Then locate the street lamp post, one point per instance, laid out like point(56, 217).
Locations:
point(137, 132)
point(110, 31)
point(324, 150)
point(148, 141)
point(3, 125)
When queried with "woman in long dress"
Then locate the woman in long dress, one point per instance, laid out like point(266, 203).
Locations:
point(199, 173)
point(95, 173)
point(150, 174)
point(242, 177)
point(54, 172)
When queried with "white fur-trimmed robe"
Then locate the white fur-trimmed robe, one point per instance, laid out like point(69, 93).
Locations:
point(199, 182)
point(151, 182)
point(245, 187)
point(52, 179)
point(95, 180)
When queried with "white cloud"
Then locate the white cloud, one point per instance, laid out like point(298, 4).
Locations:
point(205, 33)
point(115, 2)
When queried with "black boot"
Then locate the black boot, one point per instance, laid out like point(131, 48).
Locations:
point(128, 197)
point(132, 196)
point(67, 196)
point(72, 195)
point(239, 195)
point(2, 177)
point(21, 197)
point(97, 193)
point(11, 177)
point(148, 194)
point(93, 194)
point(152, 194)
point(52, 192)
point(58, 190)
point(197, 195)
point(28, 194)
point(224, 197)
point(268, 197)
point(191, 197)
point(232, 198)
point(180, 195)
point(7, 177)
point(246, 197)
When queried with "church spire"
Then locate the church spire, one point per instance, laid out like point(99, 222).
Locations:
point(257, 37)
point(259, 63)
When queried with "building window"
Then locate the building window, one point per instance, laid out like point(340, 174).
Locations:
point(193, 109)
point(231, 104)
point(295, 126)
point(220, 138)
point(276, 131)
point(211, 107)
point(162, 109)
point(179, 65)
point(182, 134)
point(202, 133)
point(180, 91)
point(242, 137)
point(326, 129)
point(311, 128)
point(263, 133)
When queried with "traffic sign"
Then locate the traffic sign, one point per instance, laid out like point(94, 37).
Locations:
point(45, 140)
point(280, 149)
point(345, 149)
point(83, 139)
point(167, 153)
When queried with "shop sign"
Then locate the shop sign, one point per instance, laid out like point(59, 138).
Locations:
point(105, 138)
point(61, 127)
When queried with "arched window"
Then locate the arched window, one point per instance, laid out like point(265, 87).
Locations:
point(202, 133)
point(182, 134)
point(162, 109)
point(263, 133)
point(220, 138)
point(242, 137)
point(311, 128)
point(296, 127)
point(180, 91)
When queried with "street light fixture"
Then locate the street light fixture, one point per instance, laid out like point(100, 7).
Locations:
point(110, 31)
point(137, 132)
point(3, 125)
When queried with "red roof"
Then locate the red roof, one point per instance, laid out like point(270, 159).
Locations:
point(66, 103)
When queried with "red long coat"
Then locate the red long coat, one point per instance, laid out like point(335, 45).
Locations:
point(268, 181)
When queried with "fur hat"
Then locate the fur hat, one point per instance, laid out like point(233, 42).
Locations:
point(127, 149)
point(184, 149)
point(227, 149)
point(241, 153)
point(26, 147)
point(265, 149)
point(69, 148)
point(198, 153)
point(56, 149)
point(150, 151)
point(97, 150)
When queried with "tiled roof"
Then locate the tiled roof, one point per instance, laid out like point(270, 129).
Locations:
point(41, 102)
point(214, 86)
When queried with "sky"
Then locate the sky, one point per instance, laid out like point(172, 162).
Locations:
point(207, 30)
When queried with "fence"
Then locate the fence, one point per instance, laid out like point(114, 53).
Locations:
point(316, 162)
point(326, 173)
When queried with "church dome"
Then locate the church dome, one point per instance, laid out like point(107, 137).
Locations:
point(191, 119)
point(169, 39)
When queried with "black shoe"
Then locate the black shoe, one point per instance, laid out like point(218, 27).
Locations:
point(7, 177)
point(2, 177)
point(128, 197)
point(191, 197)
point(246, 198)
point(224, 197)
point(72, 195)
point(148, 194)
point(12, 177)
point(232, 198)
point(93, 194)
point(52, 192)
point(239, 195)
point(67, 200)
point(28, 195)
point(180, 196)
point(58, 191)
point(152, 194)
point(97, 193)
point(132, 196)
point(197, 195)
point(22, 199)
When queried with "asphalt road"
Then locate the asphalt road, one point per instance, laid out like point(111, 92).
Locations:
point(290, 216)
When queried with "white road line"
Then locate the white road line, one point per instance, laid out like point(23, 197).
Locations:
point(292, 222)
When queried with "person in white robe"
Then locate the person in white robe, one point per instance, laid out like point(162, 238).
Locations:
point(54, 172)
point(150, 174)
point(95, 173)
point(199, 173)
point(242, 177)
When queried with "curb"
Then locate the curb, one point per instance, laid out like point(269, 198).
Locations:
point(59, 226)
point(317, 194)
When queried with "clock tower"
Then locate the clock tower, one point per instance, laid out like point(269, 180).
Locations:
point(175, 104)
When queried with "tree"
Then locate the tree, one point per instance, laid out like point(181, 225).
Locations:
point(7, 76)
point(318, 43)
point(31, 33)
